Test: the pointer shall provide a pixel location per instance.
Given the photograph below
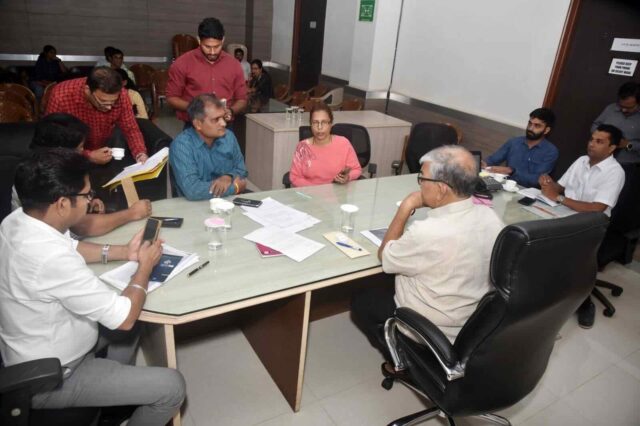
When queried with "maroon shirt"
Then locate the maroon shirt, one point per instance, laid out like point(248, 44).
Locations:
point(191, 75)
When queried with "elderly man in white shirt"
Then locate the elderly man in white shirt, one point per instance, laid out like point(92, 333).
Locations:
point(442, 262)
point(592, 184)
point(51, 303)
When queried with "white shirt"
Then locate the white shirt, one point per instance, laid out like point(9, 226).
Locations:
point(50, 301)
point(246, 69)
point(442, 263)
point(600, 183)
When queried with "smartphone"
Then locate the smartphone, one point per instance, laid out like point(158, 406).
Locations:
point(526, 201)
point(151, 230)
point(169, 222)
point(239, 201)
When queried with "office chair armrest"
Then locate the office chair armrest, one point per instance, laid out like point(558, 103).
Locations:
point(40, 375)
point(372, 168)
point(396, 166)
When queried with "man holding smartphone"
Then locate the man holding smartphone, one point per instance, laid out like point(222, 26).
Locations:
point(53, 306)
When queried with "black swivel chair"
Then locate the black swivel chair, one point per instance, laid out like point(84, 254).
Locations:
point(541, 271)
point(622, 235)
point(423, 138)
point(359, 138)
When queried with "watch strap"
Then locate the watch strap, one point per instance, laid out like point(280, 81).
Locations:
point(104, 256)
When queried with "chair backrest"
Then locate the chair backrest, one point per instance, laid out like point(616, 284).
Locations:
point(318, 91)
point(357, 135)
point(541, 271)
point(352, 104)
point(22, 91)
point(280, 92)
point(13, 113)
point(16, 99)
point(45, 97)
point(182, 43)
point(158, 88)
point(231, 49)
point(143, 74)
point(427, 136)
point(298, 97)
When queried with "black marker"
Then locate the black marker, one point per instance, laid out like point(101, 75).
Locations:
point(198, 268)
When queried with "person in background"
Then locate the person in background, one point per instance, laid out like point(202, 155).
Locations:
point(106, 62)
point(206, 158)
point(625, 115)
point(246, 68)
point(114, 58)
point(530, 156)
point(139, 109)
point(323, 158)
point(49, 68)
point(260, 89)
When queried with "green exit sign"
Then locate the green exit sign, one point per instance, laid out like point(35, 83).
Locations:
point(366, 10)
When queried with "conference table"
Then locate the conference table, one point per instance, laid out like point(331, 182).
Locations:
point(277, 291)
point(271, 140)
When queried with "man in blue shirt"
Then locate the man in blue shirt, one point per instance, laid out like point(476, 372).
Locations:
point(206, 159)
point(530, 156)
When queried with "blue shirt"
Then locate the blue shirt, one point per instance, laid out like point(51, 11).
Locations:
point(528, 163)
point(195, 165)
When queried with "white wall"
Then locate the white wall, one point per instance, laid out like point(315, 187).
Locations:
point(339, 25)
point(282, 31)
point(491, 58)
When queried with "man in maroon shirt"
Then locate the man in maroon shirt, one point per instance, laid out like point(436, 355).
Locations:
point(207, 69)
point(101, 103)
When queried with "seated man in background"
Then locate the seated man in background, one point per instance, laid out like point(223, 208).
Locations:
point(101, 102)
point(206, 158)
point(625, 115)
point(591, 184)
point(529, 156)
point(441, 262)
point(61, 130)
point(53, 306)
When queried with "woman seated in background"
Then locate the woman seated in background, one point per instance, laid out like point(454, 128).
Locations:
point(323, 158)
point(139, 110)
point(49, 68)
point(260, 84)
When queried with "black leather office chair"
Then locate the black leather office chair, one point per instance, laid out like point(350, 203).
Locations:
point(423, 138)
point(542, 271)
point(359, 138)
point(622, 235)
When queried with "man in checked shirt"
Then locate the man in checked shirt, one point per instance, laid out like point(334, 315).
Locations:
point(100, 101)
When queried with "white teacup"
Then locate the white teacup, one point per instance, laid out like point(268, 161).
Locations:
point(510, 185)
point(117, 153)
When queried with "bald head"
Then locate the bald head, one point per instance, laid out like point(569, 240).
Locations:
point(454, 165)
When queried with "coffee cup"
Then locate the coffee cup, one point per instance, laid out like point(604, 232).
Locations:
point(510, 185)
point(117, 153)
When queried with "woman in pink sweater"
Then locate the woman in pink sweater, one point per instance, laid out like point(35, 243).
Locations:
point(323, 158)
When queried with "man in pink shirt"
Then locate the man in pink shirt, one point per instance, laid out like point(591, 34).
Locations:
point(207, 69)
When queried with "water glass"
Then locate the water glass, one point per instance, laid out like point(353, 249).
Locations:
point(348, 219)
point(217, 233)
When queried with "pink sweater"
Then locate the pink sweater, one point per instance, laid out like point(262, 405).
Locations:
point(319, 164)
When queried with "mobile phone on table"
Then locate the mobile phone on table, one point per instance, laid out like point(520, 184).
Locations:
point(169, 222)
point(526, 201)
point(239, 201)
point(151, 230)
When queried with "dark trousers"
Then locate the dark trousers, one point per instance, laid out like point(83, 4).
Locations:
point(370, 309)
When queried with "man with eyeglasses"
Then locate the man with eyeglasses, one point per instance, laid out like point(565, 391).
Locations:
point(53, 306)
point(625, 115)
point(101, 102)
point(441, 262)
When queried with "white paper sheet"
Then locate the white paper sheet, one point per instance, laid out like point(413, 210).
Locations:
point(548, 212)
point(140, 168)
point(535, 193)
point(291, 245)
point(272, 213)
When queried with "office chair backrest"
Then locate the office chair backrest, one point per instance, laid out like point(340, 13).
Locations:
point(542, 271)
point(427, 136)
point(357, 135)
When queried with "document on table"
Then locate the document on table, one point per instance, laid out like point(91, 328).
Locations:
point(375, 235)
point(288, 243)
point(139, 168)
point(120, 277)
point(547, 212)
point(536, 194)
point(273, 213)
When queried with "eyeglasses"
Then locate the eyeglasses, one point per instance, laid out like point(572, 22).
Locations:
point(104, 104)
point(424, 179)
point(320, 124)
point(88, 195)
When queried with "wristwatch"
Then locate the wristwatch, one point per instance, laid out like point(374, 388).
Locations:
point(560, 199)
point(105, 254)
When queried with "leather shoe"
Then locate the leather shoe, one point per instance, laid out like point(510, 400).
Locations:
point(586, 314)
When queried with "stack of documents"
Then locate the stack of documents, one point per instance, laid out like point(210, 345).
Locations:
point(120, 277)
point(536, 194)
point(139, 171)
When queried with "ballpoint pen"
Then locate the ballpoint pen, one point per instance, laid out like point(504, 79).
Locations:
point(198, 268)
point(340, 243)
point(546, 211)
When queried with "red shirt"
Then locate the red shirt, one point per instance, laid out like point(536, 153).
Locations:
point(68, 97)
point(191, 75)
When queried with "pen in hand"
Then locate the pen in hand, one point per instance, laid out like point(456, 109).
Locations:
point(198, 268)
point(340, 243)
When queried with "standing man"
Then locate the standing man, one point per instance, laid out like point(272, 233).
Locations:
point(207, 69)
point(441, 262)
point(206, 158)
point(529, 156)
point(625, 115)
point(53, 306)
point(101, 102)
point(592, 184)
point(246, 68)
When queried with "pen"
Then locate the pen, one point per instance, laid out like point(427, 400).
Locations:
point(302, 194)
point(546, 211)
point(340, 243)
point(198, 268)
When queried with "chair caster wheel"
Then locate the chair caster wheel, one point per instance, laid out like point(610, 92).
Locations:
point(387, 383)
point(609, 312)
point(616, 292)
